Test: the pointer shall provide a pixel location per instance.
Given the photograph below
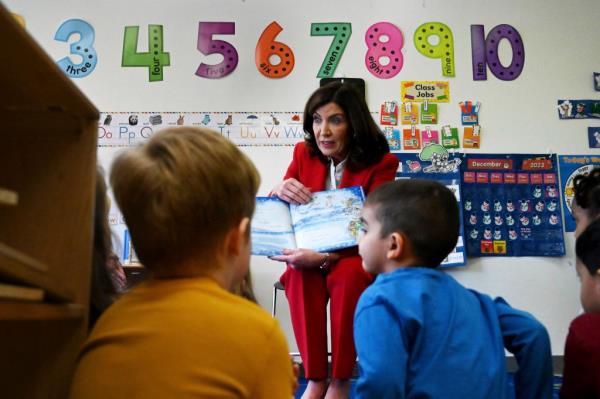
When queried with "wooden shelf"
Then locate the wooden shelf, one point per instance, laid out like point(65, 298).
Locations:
point(21, 267)
point(31, 311)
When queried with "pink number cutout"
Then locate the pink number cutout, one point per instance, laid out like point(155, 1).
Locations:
point(391, 48)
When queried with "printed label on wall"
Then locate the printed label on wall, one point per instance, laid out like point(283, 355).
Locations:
point(125, 129)
point(432, 91)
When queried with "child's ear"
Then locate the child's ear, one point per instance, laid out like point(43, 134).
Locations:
point(238, 236)
point(397, 246)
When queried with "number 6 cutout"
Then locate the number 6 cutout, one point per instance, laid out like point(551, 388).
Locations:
point(83, 47)
point(266, 47)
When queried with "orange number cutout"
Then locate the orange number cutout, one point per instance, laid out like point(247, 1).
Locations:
point(267, 47)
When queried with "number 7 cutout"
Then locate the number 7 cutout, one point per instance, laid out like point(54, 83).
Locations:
point(207, 46)
point(341, 32)
point(155, 59)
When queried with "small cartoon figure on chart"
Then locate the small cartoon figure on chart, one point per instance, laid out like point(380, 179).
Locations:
point(468, 205)
point(509, 219)
point(497, 206)
point(537, 192)
point(524, 220)
point(553, 220)
point(524, 205)
point(539, 206)
point(536, 219)
point(498, 221)
point(107, 120)
point(206, 120)
point(487, 233)
point(485, 205)
point(510, 206)
point(551, 192)
point(512, 234)
point(473, 219)
point(497, 234)
point(180, 120)
point(487, 218)
point(474, 234)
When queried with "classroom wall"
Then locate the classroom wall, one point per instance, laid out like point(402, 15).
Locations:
point(517, 116)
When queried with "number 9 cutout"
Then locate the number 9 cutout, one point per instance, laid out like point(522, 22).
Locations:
point(391, 49)
point(444, 49)
point(267, 47)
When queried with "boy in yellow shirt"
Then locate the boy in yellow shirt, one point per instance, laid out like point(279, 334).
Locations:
point(187, 196)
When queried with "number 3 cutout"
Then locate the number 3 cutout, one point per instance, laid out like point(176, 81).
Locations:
point(83, 47)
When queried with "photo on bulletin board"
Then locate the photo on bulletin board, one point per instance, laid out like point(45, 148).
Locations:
point(511, 205)
point(434, 163)
point(571, 166)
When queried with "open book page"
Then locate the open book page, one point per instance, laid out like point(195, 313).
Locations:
point(330, 221)
point(271, 227)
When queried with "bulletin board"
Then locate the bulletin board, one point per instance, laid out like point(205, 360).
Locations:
point(157, 59)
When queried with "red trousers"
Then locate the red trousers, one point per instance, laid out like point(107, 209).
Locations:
point(308, 291)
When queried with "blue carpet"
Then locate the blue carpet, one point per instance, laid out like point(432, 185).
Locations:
point(511, 383)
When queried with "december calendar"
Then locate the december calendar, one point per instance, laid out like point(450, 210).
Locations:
point(511, 205)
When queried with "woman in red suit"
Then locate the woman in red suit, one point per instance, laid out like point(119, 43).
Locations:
point(343, 147)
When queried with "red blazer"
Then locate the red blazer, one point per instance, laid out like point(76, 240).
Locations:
point(311, 171)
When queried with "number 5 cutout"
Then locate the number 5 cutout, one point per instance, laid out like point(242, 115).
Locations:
point(83, 47)
point(207, 46)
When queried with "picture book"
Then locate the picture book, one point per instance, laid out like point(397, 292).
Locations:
point(330, 221)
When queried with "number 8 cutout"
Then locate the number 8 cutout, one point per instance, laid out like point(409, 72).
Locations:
point(266, 47)
point(391, 48)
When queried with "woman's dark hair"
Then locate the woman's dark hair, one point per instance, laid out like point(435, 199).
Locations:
point(587, 247)
point(103, 292)
point(366, 142)
point(587, 191)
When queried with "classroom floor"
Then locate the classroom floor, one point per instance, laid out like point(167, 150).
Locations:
point(557, 383)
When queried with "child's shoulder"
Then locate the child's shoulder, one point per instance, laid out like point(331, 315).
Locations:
point(586, 321)
point(407, 284)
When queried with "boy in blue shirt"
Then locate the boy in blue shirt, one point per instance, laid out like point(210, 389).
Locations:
point(418, 332)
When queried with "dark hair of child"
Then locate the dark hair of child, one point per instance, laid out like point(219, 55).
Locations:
point(587, 191)
point(366, 142)
point(424, 211)
point(103, 292)
point(587, 247)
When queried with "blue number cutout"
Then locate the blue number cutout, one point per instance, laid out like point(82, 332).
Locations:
point(83, 47)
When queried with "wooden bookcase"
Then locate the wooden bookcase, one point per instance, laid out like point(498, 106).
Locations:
point(48, 133)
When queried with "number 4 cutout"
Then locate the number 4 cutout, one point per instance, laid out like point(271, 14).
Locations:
point(155, 59)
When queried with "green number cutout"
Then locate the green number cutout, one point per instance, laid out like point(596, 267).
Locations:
point(444, 50)
point(155, 59)
point(341, 32)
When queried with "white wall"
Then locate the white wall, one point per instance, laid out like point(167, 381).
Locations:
point(562, 51)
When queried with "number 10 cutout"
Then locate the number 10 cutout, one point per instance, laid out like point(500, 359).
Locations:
point(485, 52)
